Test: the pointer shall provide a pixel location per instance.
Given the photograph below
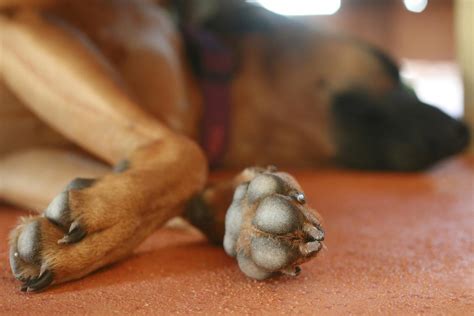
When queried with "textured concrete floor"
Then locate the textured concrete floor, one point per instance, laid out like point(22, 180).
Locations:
point(397, 244)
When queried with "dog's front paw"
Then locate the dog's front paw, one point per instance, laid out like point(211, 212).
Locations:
point(34, 242)
point(269, 227)
point(79, 232)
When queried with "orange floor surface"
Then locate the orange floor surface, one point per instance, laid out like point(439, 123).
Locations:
point(396, 244)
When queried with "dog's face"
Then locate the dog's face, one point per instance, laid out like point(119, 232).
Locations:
point(322, 98)
point(305, 97)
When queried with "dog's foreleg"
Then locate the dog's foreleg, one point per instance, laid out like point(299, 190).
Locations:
point(90, 224)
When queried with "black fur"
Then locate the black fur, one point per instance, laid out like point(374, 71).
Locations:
point(393, 132)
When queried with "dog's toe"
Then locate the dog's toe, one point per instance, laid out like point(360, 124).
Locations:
point(28, 244)
point(59, 212)
point(26, 259)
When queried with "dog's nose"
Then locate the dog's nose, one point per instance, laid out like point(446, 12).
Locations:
point(462, 136)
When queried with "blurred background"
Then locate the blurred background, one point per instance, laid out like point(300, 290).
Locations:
point(432, 40)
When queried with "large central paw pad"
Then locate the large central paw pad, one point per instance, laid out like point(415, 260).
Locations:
point(269, 228)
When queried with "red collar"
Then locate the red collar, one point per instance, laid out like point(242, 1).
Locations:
point(216, 65)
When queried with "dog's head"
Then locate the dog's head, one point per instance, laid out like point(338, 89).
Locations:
point(320, 96)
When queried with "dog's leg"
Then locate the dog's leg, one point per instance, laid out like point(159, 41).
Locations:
point(61, 77)
point(268, 226)
point(91, 223)
point(31, 178)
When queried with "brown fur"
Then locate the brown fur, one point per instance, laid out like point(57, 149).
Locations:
point(111, 77)
point(89, 107)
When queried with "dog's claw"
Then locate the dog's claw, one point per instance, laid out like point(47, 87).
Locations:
point(292, 271)
point(75, 234)
point(24, 287)
point(315, 233)
point(41, 282)
point(269, 228)
point(310, 248)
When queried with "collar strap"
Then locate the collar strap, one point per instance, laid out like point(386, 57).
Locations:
point(216, 65)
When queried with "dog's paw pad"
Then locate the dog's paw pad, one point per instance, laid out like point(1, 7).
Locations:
point(28, 244)
point(269, 228)
point(233, 220)
point(263, 186)
point(250, 269)
point(276, 215)
point(271, 254)
point(26, 261)
point(59, 212)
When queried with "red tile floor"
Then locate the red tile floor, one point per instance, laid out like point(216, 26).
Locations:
point(396, 244)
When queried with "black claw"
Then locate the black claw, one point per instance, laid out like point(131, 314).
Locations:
point(292, 271)
point(35, 285)
point(297, 270)
point(24, 287)
point(76, 233)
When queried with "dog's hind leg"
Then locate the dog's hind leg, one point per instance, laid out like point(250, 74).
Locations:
point(91, 223)
point(31, 178)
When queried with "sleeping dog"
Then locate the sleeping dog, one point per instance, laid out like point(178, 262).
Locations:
point(139, 84)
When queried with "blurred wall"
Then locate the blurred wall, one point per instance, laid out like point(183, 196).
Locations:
point(465, 48)
point(389, 25)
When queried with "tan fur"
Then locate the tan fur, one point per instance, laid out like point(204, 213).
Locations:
point(21, 129)
point(68, 85)
point(111, 77)
point(32, 177)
